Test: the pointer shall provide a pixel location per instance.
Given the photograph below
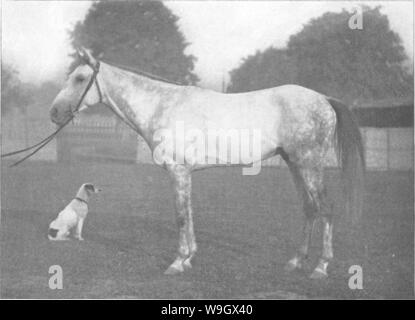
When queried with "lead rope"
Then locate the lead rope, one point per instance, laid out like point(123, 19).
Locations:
point(40, 146)
point(35, 145)
point(49, 138)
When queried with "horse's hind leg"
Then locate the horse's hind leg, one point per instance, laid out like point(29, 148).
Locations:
point(321, 270)
point(302, 181)
point(297, 260)
point(309, 183)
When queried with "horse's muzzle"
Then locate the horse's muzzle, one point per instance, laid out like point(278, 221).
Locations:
point(58, 117)
point(53, 113)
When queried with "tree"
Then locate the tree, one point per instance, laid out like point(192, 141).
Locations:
point(140, 34)
point(267, 69)
point(14, 94)
point(350, 64)
point(43, 95)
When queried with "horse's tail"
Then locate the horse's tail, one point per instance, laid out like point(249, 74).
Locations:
point(351, 158)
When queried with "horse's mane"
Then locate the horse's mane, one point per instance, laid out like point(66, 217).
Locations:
point(142, 73)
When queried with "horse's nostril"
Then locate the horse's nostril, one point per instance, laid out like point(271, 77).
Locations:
point(54, 115)
point(53, 112)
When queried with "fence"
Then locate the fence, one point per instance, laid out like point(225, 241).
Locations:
point(386, 148)
point(98, 138)
point(19, 131)
point(389, 148)
point(105, 139)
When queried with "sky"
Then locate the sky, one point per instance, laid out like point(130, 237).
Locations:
point(35, 33)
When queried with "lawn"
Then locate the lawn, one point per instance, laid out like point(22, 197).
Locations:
point(247, 228)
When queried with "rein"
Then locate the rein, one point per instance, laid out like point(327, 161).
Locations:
point(38, 146)
point(49, 138)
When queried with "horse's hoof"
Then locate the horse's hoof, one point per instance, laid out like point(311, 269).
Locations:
point(172, 270)
point(289, 267)
point(318, 274)
point(292, 265)
point(187, 264)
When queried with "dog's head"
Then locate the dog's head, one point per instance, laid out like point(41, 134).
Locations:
point(90, 188)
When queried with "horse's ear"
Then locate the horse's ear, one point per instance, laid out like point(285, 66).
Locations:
point(80, 53)
point(87, 57)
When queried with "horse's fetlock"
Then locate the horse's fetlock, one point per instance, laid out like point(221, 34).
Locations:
point(181, 221)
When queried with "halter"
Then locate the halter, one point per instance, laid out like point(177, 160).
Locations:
point(49, 138)
point(93, 79)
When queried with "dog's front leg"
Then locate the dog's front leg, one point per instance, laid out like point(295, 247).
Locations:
point(78, 231)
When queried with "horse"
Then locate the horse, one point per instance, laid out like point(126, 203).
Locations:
point(294, 122)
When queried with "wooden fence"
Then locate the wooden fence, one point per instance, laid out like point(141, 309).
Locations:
point(386, 148)
point(19, 131)
point(105, 139)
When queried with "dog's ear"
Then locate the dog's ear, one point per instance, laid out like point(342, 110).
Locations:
point(89, 187)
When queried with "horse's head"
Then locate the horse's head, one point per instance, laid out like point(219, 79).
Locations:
point(67, 100)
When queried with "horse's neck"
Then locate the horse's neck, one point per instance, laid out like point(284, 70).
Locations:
point(135, 98)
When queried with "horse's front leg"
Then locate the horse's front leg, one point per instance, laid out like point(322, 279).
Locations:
point(187, 244)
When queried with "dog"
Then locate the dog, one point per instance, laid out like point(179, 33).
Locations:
point(73, 216)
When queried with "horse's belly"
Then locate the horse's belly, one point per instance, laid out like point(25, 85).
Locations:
point(216, 145)
point(224, 130)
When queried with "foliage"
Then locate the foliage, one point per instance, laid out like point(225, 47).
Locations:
point(329, 57)
point(270, 68)
point(14, 94)
point(139, 34)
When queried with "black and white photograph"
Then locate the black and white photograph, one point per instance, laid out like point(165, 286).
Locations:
point(207, 150)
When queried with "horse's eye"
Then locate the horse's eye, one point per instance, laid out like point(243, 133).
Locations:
point(79, 79)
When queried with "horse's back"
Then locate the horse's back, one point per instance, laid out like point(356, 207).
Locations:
point(286, 116)
point(263, 109)
point(307, 120)
point(290, 116)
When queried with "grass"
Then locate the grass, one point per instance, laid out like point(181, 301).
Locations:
point(247, 228)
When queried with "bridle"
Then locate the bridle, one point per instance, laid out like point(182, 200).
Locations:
point(101, 100)
point(95, 68)
point(49, 138)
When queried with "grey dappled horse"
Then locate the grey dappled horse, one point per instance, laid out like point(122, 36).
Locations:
point(297, 123)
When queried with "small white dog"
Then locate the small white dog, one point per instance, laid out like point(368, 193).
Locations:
point(73, 215)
